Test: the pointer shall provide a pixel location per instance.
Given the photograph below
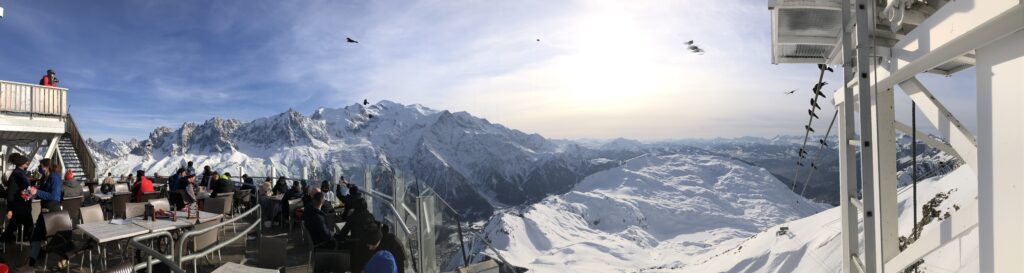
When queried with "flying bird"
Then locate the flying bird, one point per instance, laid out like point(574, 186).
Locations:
point(538, 40)
point(790, 92)
point(690, 42)
point(351, 41)
point(696, 49)
point(825, 67)
point(814, 104)
point(811, 113)
point(809, 129)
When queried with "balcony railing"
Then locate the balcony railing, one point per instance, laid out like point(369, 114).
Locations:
point(31, 99)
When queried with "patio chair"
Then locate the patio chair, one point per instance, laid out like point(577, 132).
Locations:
point(219, 205)
point(150, 196)
point(59, 239)
point(90, 214)
point(204, 241)
point(133, 210)
point(161, 204)
point(119, 202)
point(272, 252)
point(73, 206)
point(121, 187)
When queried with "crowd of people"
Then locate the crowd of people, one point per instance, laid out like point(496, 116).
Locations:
point(372, 246)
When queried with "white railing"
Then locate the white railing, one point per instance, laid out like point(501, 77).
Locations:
point(23, 98)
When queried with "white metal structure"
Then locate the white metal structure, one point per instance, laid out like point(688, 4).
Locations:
point(904, 38)
point(31, 116)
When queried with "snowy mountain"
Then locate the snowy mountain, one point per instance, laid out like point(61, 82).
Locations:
point(814, 244)
point(652, 210)
point(468, 160)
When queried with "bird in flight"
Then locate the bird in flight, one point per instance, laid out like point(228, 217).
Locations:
point(694, 48)
point(538, 40)
point(347, 39)
point(790, 92)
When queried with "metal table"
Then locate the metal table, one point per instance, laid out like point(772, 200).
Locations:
point(238, 268)
point(203, 216)
point(105, 232)
point(162, 224)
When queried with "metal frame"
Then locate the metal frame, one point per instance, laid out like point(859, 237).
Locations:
point(985, 33)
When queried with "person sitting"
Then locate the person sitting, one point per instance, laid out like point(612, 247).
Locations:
point(208, 175)
point(294, 193)
point(71, 187)
point(357, 220)
point(281, 187)
point(391, 243)
point(315, 221)
point(222, 185)
point(144, 185)
point(267, 188)
point(108, 183)
point(50, 79)
point(380, 260)
point(248, 184)
point(329, 197)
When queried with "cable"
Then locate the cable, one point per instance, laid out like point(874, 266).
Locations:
point(807, 132)
point(913, 154)
point(820, 152)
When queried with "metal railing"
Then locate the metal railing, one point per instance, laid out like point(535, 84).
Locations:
point(176, 259)
point(31, 99)
point(85, 159)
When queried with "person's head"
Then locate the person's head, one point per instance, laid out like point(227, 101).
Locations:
point(110, 174)
point(268, 180)
point(18, 160)
point(190, 163)
point(325, 186)
point(373, 236)
point(140, 173)
point(296, 186)
point(181, 171)
point(206, 168)
point(50, 72)
point(245, 176)
point(130, 176)
point(227, 174)
point(318, 199)
point(45, 164)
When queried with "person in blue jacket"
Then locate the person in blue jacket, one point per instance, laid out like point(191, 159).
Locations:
point(50, 196)
point(382, 260)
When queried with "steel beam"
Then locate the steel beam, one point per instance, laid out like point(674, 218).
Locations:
point(949, 126)
point(1001, 154)
point(928, 139)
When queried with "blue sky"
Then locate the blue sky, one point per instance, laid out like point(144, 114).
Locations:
point(601, 68)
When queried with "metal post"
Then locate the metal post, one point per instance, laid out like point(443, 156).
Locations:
point(913, 155)
point(864, 26)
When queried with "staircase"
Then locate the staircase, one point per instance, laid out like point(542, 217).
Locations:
point(70, 158)
point(75, 154)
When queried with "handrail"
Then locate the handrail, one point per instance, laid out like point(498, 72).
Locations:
point(458, 222)
point(398, 214)
point(81, 150)
point(32, 99)
point(165, 259)
point(193, 256)
point(176, 259)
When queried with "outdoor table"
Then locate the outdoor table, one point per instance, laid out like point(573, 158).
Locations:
point(203, 216)
point(230, 267)
point(161, 224)
point(103, 196)
point(105, 232)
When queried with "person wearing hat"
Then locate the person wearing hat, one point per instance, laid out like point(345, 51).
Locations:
point(50, 79)
point(19, 198)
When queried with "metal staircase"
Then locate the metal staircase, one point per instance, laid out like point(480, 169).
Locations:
point(66, 150)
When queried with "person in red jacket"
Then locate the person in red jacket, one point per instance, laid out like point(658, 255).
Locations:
point(144, 185)
point(50, 79)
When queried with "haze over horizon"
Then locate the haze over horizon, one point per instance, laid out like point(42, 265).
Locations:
point(567, 70)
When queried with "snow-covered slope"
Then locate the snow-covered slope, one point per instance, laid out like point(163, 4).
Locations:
point(468, 160)
point(652, 210)
point(813, 244)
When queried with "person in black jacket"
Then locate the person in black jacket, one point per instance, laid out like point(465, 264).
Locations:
point(391, 243)
point(359, 218)
point(281, 187)
point(222, 185)
point(19, 199)
point(315, 221)
point(294, 193)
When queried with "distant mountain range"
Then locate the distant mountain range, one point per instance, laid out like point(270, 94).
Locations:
point(474, 164)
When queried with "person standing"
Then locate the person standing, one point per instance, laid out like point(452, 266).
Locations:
point(208, 176)
point(49, 195)
point(50, 79)
point(174, 187)
point(190, 169)
point(19, 198)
